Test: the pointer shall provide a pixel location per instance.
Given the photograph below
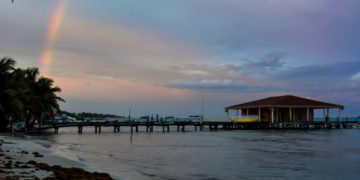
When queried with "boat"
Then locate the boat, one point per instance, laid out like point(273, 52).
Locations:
point(18, 125)
point(245, 120)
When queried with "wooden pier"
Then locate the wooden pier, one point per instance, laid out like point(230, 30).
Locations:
point(201, 126)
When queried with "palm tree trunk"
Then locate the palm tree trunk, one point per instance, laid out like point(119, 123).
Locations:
point(40, 120)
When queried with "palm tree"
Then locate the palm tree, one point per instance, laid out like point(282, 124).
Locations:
point(6, 65)
point(10, 104)
point(48, 100)
point(31, 100)
point(24, 96)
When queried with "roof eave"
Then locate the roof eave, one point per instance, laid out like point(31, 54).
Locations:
point(284, 106)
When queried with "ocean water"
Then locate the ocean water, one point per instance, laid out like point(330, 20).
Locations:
point(241, 154)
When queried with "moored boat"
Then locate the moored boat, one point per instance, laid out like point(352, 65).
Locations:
point(245, 120)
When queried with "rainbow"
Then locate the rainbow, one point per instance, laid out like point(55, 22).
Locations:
point(52, 33)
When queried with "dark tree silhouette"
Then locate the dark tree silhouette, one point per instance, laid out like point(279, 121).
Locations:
point(24, 96)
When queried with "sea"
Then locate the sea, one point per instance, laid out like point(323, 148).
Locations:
point(213, 155)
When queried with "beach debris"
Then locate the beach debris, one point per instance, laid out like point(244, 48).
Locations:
point(8, 157)
point(36, 154)
point(12, 167)
point(70, 173)
point(8, 165)
point(24, 152)
point(5, 172)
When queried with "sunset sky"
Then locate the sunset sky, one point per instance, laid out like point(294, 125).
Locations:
point(164, 56)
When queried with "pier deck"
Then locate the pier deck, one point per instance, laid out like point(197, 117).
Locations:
point(195, 126)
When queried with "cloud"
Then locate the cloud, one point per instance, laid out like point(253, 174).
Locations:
point(316, 79)
point(121, 52)
point(271, 61)
point(356, 76)
point(183, 49)
point(320, 72)
point(216, 84)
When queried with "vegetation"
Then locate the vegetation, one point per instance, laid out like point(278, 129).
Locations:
point(84, 115)
point(24, 96)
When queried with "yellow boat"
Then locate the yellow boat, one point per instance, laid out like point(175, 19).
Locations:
point(245, 120)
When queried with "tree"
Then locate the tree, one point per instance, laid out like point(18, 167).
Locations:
point(24, 96)
point(10, 103)
point(48, 100)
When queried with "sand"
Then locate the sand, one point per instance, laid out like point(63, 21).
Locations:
point(23, 159)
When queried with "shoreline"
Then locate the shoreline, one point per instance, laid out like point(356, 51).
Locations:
point(26, 159)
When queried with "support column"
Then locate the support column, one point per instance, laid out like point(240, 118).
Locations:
point(291, 115)
point(260, 114)
point(237, 112)
point(272, 115)
point(340, 114)
point(324, 115)
point(294, 115)
point(247, 113)
point(307, 114)
point(328, 113)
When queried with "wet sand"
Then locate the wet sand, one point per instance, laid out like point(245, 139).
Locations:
point(21, 159)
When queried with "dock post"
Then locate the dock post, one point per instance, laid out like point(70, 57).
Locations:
point(136, 128)
point(195, 127)
point(168, 128)
point(99, 129)
point(116, 129)
point(201, 127)
point(163, 127)
point(183, 128)
point(178, 128)
point(79, 129)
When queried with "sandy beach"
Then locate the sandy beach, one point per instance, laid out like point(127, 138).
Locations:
point(23, 159)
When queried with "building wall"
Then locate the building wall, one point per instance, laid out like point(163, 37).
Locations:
point(281, 114)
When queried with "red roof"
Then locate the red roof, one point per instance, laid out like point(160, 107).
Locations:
point(288, 101)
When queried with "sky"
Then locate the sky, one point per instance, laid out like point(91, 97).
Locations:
point(165, 56)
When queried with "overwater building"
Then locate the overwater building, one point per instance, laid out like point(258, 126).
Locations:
point(287, 108)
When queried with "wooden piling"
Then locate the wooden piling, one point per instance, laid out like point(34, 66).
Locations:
point(80, 129)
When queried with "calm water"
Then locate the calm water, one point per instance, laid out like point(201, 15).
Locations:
point(244, 154)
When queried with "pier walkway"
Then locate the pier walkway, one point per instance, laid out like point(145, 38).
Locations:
point(198, 126)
